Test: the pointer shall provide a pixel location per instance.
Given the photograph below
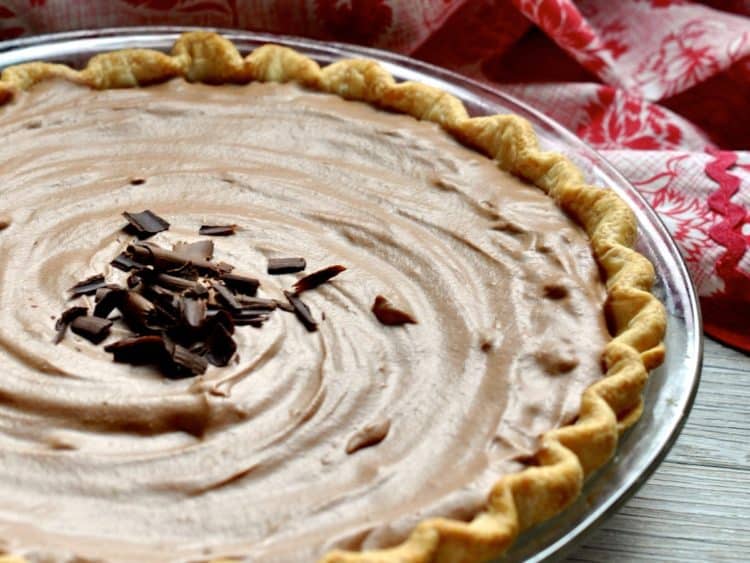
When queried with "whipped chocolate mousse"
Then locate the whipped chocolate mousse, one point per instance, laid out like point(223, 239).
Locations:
point(306, 441)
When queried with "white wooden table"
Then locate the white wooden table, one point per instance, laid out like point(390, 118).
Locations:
point(696, 507)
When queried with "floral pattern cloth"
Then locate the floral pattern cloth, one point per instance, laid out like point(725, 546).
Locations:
point(660, 87)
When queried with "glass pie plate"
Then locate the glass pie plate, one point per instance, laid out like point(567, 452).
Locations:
point(671, 387)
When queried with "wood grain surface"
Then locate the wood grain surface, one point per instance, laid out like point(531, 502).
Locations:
point(696, 507)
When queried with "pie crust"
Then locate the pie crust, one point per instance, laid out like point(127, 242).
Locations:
point(554, 478)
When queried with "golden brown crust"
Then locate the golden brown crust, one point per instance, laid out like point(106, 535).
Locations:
point(636, 318)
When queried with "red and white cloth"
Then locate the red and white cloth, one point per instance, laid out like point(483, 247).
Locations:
point(659, 87)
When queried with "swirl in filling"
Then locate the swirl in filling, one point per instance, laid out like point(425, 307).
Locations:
point(257, 458)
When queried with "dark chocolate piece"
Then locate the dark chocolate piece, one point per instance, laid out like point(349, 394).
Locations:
point(284, 306)
point(255, 323)
point(225, 296)
point(140, 313)
point(252, 317)
point(217, 230)
point(168, 306)
point(139, 350)
point(200, 251)
point(125, 263)
point(221, 346)
point(251, 311)
point(178, 283)
point(241, 284)
point(221, 317)
point(302, 311)
point(250, 314)
point(277, 266)
point(161, 258)
point(181, 362)
point(93, 329)
point(313, 280)
point(175, 263)
point(88, 286)
point(194, 312)
point(259, 303)
point(146, 223)
point(389, 315)
point(67, 317)
point(108, 299)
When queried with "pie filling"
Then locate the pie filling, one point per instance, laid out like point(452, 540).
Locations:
point(345, 437)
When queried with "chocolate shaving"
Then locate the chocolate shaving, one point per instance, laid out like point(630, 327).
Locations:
point(302, 311)
point(217, 230)
point(178, 283)
point(175, 263)
point(93, 329)
point(87, 286)
point(241, 284)
point(258, 303)
point(108, 299)
point(200, 251)
point(125, 263)
point(194, 312)
point(221, 346)
point(277, 266)
point(389, 315)
point(250, 314)
point(284, 306)
point(168, 306)
point(225, 296)
point(139, 350)
point(140, 313)
point(256, 320)
point(157, 292)
point(181, 362)
point(145, 224)
point(220, 317)
point(317, 278)
point(67, 317)
point(255, 323)
point(161, 258)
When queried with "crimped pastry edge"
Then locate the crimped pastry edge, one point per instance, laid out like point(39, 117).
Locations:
point(637, 320)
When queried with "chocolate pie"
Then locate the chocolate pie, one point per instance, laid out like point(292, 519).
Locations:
point(474, 357)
